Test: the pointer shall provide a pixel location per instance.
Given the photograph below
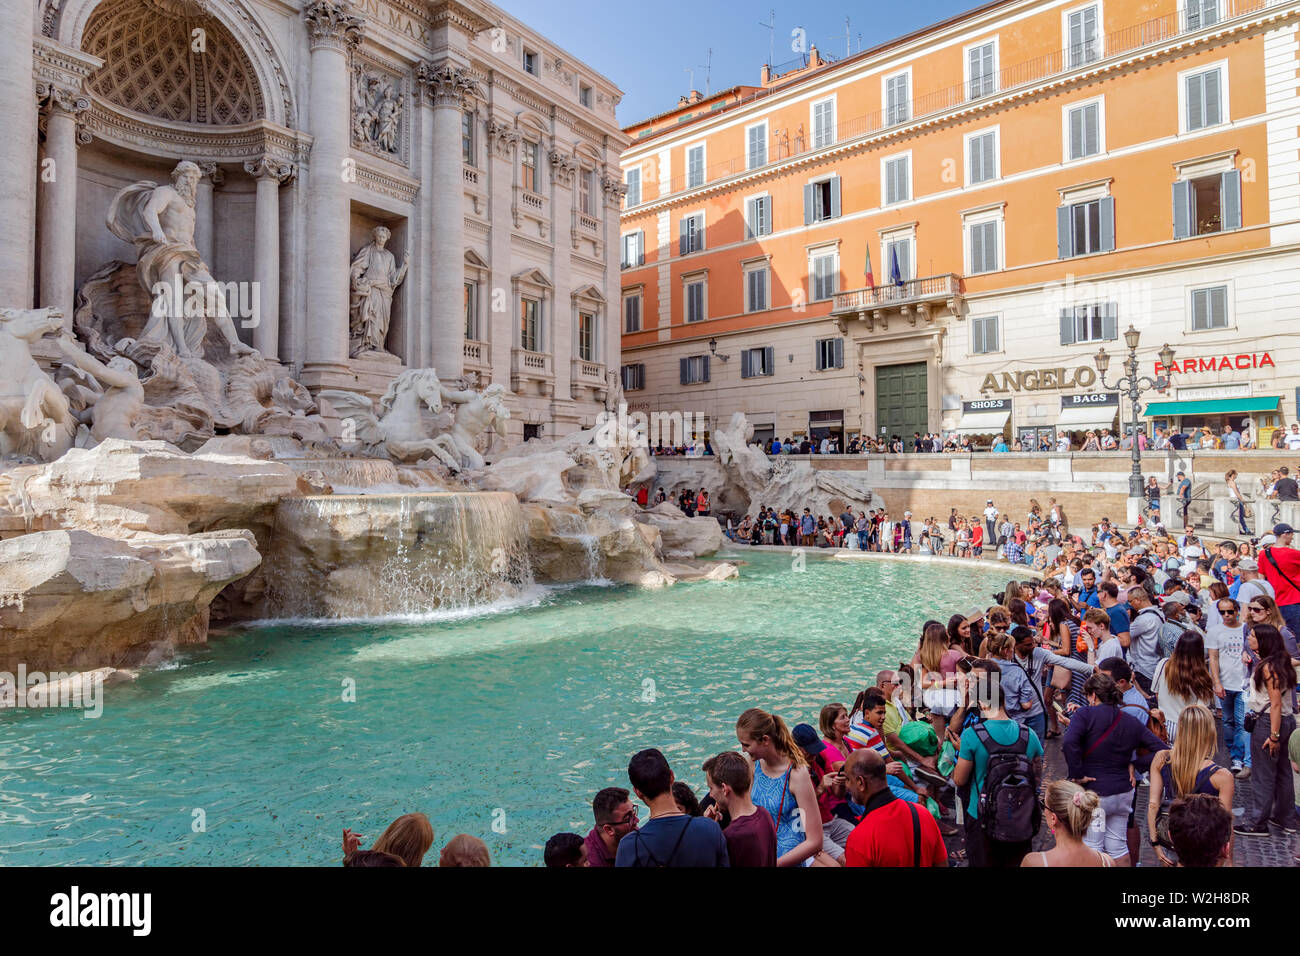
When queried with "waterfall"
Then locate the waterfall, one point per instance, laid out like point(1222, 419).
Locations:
point(386, 555)
point(569, 526)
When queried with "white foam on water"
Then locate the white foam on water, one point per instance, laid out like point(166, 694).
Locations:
point(533, 596)
point(205, 682)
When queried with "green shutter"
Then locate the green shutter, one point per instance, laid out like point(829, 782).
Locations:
point(1230, 199)
point(1108, 224)
point(1184, 201)
point(1067, 326)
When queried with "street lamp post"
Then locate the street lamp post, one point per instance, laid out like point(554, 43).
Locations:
point(1135, 385)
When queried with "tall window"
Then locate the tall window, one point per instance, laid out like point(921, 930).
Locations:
point(692, 233)
point(633, 377)
point(530, 63)
point(1202, 13)
point(694, 295)
point(586, 336)
point(984, 335)
point(821, 200)
point(632, 313)
point(756, 146)
point(1096, 322)
point(584, 96)
point(1203, 94)
point(755, 363)
point(829, 354)
point(633, 197)
point(823, 274)
point(823, 115)
point(1084, 125)
point(983, 246)
point(900, 251)
point(529, 159)
point(756, 289)
point(695, 369)
point(980, 66)
point(471, 311)
point(1207, 204)
point(1086, 227)
point(758, 216)
point(530, 324)
point(695, 167)
point(897, 105)
point(633, 250)
point(587, 191)
point(1083, 44)
point(983, 157)
point(467, 138)
point(1210, 308)
point(897, 184)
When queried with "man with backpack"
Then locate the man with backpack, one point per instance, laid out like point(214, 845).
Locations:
point(1001, 762)
point(669, 837)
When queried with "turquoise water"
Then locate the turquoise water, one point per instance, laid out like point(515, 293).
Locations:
point(513, 719)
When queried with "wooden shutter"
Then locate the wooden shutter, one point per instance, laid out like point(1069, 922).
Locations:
point(835, 197)
point(1230, 199)
point(977, 337)
point(1067, 326)
point(977, 248)
point(769, 360)
point(751, 218)
point(704, 361)
point(808, 204)
point(1218, 307)
point(1108, 224)
point(839, 353)
point(1110, 322)
point(681, 237)
point(745, 366)
point(1076, 133)
point(1213, 113)
point(1183, 209)
point(1064, 238)
point(1195, 102)
point(686, 371)
point(1092, 129)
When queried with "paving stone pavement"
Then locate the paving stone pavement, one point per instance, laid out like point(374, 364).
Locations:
point(1273, 850)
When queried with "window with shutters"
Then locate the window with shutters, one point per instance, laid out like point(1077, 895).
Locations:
point(984, 335)
point(981, 157)
point(898, 106)
point(632, 313)
point(755, 363)
point(1210, 308)
point(1083, 130)
point(695, 166)
point(471, 311)
point(587, 336)
point(692, 234)
point(758, 216)
point(633, 181)
point(981, 70)
point(1085, 227)
point(1083, 36)
point(528, 158)
point(1203, 99)
point(633, 377)
point(897, 251)
point(633, 249)
point(823, 123)
point(829, 354)
point(896, 175)
point(695, 369)
point(756, 146)
point(823, 275)
point(1204, 205)
point(693, 294)
point(822, 200)
point(530, 324)
point(983, 246)
point(467, 138)
point(1201, 13)
point(1095, 322)
point(756, 288)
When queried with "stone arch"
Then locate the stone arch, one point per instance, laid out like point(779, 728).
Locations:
point(254, 43)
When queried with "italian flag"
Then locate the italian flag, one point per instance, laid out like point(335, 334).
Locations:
point(871, 278)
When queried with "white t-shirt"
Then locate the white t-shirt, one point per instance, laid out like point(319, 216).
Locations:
point(1253, 588)
point(990, 513)
point(1111, 647)
point(1229, 642)
point(1293, 440)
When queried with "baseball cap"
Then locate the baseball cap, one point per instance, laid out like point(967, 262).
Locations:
point(806, 737)
point(1267, 540)
point(1179, 597)
point(1247, 564)
point(1281, 529)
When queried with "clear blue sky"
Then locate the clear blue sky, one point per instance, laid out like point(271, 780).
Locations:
point(646, 47)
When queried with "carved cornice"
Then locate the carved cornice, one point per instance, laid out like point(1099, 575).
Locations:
point(331, 23)
point(448, 83)
point(270, 166)
point(615, 189)
point(401, 188)
point(451, 13)
point(563, 167)
point(504, 138)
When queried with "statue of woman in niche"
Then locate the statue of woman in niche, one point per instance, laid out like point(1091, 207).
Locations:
point(374, 277)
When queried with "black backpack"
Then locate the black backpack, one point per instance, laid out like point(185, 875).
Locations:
point(1009, 810)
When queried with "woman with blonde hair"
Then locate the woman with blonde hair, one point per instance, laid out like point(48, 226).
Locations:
point(782, 784)
point(464, 850)
point(408, 838)
point(1188, 768)
point(1262, 609)
point(1068, 810)
point(937, 674)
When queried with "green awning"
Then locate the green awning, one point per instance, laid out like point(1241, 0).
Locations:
point(1212, 406)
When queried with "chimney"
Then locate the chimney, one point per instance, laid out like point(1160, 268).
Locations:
point(695, 96)
point(814, 59)
point(766, 76)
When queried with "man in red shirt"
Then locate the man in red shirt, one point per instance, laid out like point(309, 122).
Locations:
point(893, 832)
point(1280, 564)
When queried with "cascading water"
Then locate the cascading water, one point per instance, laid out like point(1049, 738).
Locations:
point(569, 526)
point(385, 555)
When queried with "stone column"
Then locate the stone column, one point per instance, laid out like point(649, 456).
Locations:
point(563, 339)
point(449, 84)
point(614, 189)
point(205, 213)
point(17, 155)
point(269, 172)
point(334, 33)
point(503, 143)
point(57, 206)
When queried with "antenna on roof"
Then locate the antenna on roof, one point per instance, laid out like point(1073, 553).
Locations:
point(691, 73)
point(771, 52)
point(848, 38)
point(708, 74)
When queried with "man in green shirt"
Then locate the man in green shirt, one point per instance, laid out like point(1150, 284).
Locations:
point(887, 681)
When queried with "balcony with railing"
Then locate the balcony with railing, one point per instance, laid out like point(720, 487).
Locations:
point(584, 374)
point(913, 299)
point(1021, 77)
point(528, 366)
point(478, 356)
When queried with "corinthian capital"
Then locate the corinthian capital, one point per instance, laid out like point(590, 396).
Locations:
point(332, 23)
point(269, 167)
point(615, 189)
point(447, 83)
point(55, 96)
point(504, 137)
point(563, 167)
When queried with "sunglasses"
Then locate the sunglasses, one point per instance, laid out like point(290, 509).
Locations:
point(1228, 610)
point(1259, 610)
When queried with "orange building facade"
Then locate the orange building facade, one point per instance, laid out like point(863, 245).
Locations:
point(936, 235)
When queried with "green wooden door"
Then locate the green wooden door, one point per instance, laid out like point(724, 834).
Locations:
point(902, 400)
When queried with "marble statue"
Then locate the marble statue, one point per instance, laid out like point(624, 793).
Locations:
point(376, 112)
point(113, 396)
point(375, 276)
point(396, 430)
point(36, 419)
point(476, 412)
point(159, 222)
